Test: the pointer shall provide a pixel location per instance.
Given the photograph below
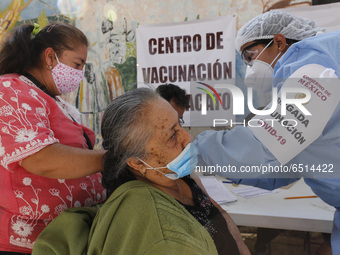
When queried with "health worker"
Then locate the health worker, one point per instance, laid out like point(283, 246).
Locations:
point(295, 57)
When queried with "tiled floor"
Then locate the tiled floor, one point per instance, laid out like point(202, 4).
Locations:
point(287, 242)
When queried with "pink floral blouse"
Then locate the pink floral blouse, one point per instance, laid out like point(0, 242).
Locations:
point(29, 121)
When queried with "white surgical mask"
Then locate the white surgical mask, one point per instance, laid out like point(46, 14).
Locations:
point(259, 74)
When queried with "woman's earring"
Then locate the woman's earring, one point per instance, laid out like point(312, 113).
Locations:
point(49, 67)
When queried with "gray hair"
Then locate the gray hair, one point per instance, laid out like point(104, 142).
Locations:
point(125, 133)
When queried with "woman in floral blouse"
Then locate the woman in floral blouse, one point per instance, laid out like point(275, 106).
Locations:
point(46, 164)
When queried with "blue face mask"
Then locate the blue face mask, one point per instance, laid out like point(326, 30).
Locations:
point(182, 165)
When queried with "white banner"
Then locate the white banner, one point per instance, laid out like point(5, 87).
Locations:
point(195, 55)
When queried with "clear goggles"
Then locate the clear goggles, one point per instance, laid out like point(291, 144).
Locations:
point(249, 55)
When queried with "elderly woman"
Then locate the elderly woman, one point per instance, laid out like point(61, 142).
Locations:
point(154, 207)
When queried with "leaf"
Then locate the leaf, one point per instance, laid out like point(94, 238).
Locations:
point(42, 19)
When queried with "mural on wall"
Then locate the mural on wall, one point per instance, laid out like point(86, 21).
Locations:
point(110, 27)
point(111, 65)
point(278, 4)
point(121, 75)
point(10, 16)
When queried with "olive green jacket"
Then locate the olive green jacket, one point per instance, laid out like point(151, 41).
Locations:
point(137, 219)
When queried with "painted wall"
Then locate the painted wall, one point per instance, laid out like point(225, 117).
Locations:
point(110, 26)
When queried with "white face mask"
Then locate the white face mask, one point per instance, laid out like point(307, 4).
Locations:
point(259, 75)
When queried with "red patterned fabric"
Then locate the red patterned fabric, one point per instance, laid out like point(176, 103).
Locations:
point(29, 121)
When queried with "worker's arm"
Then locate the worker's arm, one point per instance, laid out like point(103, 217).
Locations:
point(64, 162)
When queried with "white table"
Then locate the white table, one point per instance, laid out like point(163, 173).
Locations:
point(273, 211)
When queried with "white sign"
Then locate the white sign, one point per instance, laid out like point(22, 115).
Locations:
point(194, 55)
